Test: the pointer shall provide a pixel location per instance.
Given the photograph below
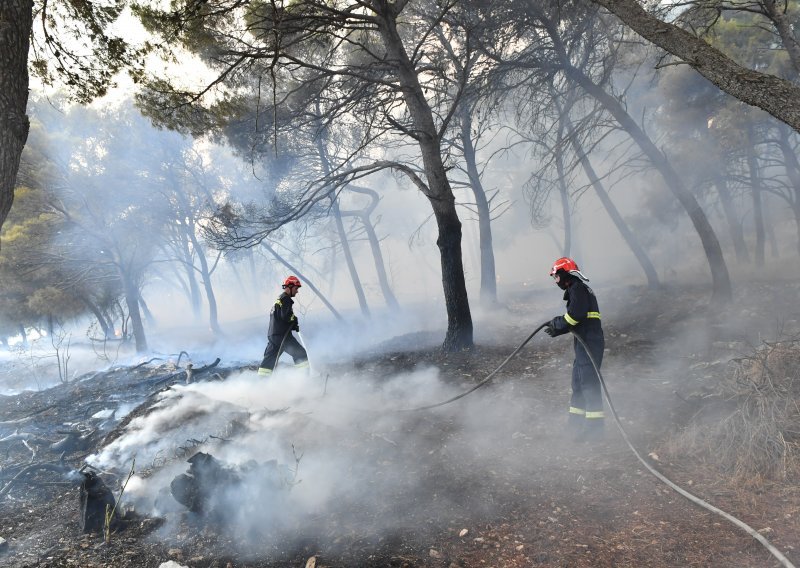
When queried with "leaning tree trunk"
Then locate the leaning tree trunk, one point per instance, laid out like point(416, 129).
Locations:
point(306, 281)
point(777, 96)
point(613, 212)
point(488, 292)
point(16, 20)
point(439, 193)
point(348, 256)
point(721, 283)
point(374, 243)
point(104, 324)
point(321, 142)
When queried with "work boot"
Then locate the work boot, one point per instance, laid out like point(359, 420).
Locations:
point(264, 372)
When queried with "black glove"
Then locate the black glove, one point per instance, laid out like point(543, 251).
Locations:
point(296, 326)
point(549, 330)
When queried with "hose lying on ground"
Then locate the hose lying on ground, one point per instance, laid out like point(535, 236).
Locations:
point(693, 498)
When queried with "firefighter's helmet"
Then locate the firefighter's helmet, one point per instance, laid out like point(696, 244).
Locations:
point(292, 281)
point(569, 266)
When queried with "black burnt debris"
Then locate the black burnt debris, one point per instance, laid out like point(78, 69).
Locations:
point(96, 501)
point(209, 486)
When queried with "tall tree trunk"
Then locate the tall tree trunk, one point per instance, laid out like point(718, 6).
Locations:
point(191, 277)
point(488, 293)
point(563, 191)
point(348, 256)
point(732, 219)
point(721, 283)
point(132, 298)
point(374, 243)
point(205, 275)
point(793, 172)
point(322, 150)
point(613, 212)
point(16, 20)
point(755, 181)
point(440, 194)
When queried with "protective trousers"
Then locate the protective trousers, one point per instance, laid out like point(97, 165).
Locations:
point(290, 346)
point(587, 399)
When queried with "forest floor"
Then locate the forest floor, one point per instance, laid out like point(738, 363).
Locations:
point(492, 480)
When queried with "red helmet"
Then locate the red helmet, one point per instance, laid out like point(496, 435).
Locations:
point(291, 281)
point(567, 265)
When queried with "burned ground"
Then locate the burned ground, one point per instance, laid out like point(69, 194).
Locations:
point(491, 480)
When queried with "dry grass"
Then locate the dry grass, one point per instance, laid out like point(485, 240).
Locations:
point(751, 429)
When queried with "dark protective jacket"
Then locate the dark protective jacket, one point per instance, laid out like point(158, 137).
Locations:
point(582, 313)
point(282, 318)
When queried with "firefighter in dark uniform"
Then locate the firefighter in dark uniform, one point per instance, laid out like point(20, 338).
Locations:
point(586, 416)
point(282, 322)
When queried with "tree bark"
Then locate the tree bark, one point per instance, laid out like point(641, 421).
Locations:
point(563, 191)
point(488, 293)
point(732, 218)
point(721, 283)
point(16, 20)
point(756, 189)
point(322, 150)
point(613, 212)
point(132, 302)
point(777, 96)
point(306, 281)
point(459, 318)
point(374, 243)
point(792, 166)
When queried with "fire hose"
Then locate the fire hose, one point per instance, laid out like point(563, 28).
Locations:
point(661, 477)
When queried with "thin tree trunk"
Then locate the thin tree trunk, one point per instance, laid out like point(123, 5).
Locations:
point(732, 218)
point(305, 280)
point(377, 255)
point(322, 150)
point(132, 302)
point(348, 256)
point(758, 214)
point(721, 283)
point(793, 172)
point(613, 212)
point(188, 264)
point(488, 293)
point(205, 276)
point(563, 191)
point(459, 318)
point(16, 20)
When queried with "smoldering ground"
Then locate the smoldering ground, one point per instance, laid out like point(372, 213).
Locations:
point(352, 458)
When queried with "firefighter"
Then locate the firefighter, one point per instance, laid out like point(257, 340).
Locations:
point(586, 416)
point(282, 322)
